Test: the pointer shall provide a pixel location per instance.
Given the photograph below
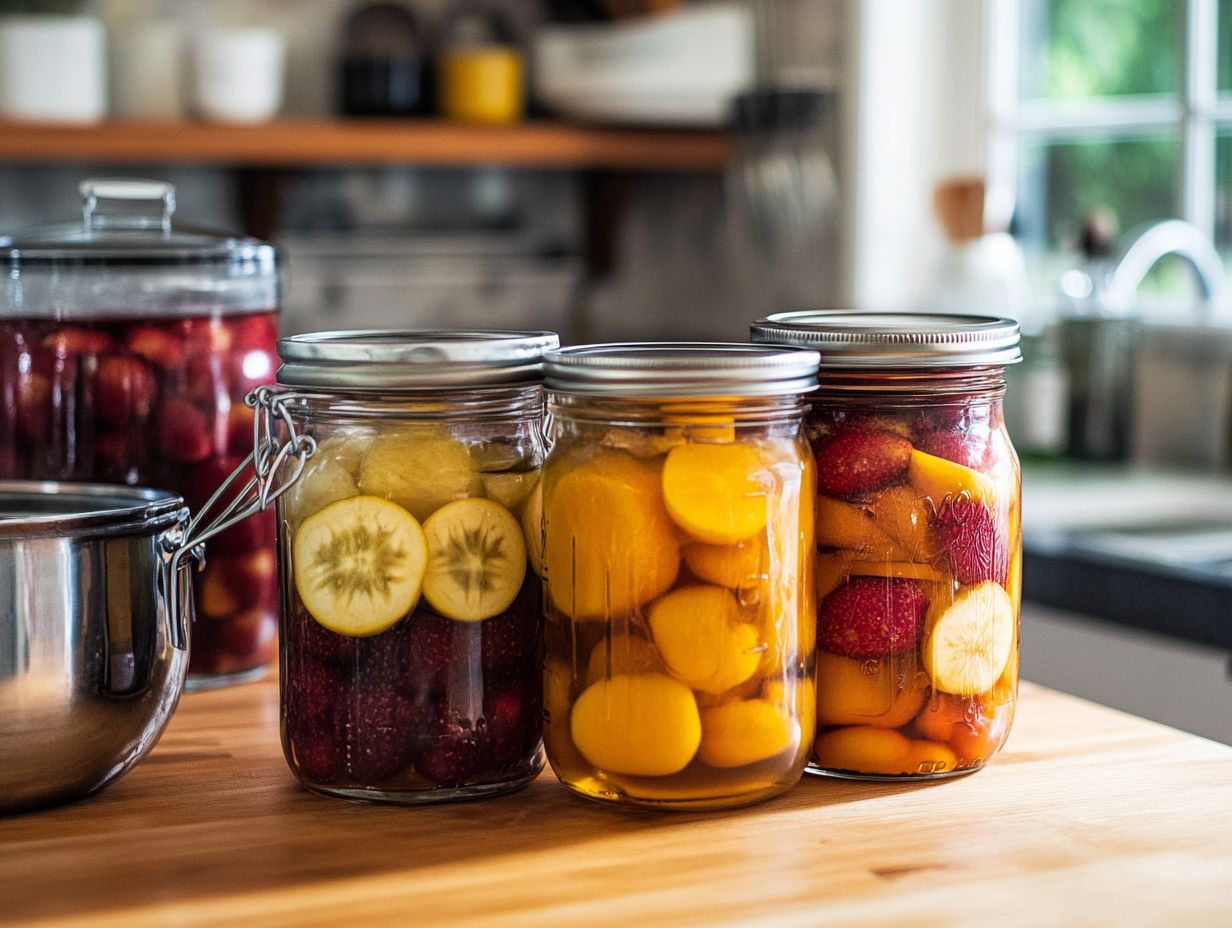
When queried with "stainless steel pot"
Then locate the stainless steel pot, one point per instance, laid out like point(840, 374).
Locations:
point(93, 637)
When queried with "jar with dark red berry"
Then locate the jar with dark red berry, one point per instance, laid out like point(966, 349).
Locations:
point(919, 568)
point(411, 633)
point(127, 344)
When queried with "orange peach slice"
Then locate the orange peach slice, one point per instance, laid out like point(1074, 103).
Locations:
point(880, 692)
point(609, 545)
point(853, 528)
point(640, 725)
point(745, 731)
point(936, 478)
point(700, 634)
point(717, 492)
point(623, 654)
point(739, 566)
point(863, 749)
point(901, 514)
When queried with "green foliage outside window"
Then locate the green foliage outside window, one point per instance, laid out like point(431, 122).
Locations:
point(1077, 49)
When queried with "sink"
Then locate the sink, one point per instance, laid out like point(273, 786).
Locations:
point(1140, 547)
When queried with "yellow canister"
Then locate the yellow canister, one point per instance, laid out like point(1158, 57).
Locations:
point(483, 85)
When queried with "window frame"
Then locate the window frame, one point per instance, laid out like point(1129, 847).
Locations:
point(1195, 118)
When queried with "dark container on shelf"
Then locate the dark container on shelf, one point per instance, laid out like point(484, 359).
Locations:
point(383, 68)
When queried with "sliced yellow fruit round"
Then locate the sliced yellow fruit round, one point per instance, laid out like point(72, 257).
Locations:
point(717, 492)
point(700, 634)
point(968, 642)
point(745, 731)
point(359, 564)
point(609, 545)
point(476, 559)
point(419, 470)
point(639, 724)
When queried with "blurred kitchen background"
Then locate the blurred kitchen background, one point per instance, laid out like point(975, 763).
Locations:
point(627, 169)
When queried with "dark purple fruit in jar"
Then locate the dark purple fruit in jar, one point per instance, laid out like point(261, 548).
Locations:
point(319, 751)
point(253, 634)
point(314, 640)
point(125, 390)
point(313, 689)
point(254, 533)
point(158, 346)
point(10, 463)
point(430, 651)
point(511, 640)
point(71, 342)
point(454, 754)
point(381, 729)
point(184, 432)
point(462, 748)
point(119, 458)
point(255, 332)
point(513, 714)
point(239, 430)
point(33, 405)
point(205, 478)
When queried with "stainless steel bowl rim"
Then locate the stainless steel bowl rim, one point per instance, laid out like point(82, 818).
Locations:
point(680, 369)
point(413, 360)
point(859, 340)
point(86, 510)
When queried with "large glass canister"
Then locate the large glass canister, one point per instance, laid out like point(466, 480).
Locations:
point(678, 565)
point(919, 567)
point(411, 635)
point(127, 345)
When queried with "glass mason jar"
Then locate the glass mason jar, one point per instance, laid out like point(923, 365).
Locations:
point(677, 560)
point(919, 568)
point(127, 344)
point(411, 633)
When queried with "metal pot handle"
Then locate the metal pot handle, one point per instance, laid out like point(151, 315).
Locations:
point(185, 544)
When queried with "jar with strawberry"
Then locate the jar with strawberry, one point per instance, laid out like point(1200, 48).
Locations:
point(678, 565)
point(919, 566)
point(127, 344)
point(408, 520)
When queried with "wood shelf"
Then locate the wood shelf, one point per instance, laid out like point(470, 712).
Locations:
point(292, 143)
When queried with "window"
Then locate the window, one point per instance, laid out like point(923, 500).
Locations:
point(1123, 105)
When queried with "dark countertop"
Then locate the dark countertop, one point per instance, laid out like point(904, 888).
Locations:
point(1145, 548)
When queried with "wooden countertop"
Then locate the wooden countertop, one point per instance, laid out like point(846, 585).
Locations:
point(1089, 817)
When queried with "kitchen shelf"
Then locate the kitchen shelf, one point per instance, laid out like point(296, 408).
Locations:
point(1089, 816)
point(295, 143)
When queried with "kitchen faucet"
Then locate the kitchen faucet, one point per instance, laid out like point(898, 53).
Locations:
point(1099, 341)
point(1170, 237)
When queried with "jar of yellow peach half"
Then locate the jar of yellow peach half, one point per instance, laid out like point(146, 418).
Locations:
point(919, 566)
point(677, 560)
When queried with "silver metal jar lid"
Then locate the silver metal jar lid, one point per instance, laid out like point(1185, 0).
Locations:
point(680, 369)
point(412, 360)
point(38, 509)
point(876, 340)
